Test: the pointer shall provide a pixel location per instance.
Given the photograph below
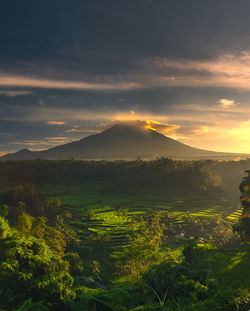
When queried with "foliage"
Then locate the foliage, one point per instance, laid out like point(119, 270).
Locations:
point(24, 198)
point(162, 173)
point(144, 249)
point(217, 231)
point(27, 263)
point(243, 227)
point(31, 306)
point(24, 223)
point(75, 263)
point(189, 284)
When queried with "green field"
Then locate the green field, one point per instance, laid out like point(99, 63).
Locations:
point(111, 213)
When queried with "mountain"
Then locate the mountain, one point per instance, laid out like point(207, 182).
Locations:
point(121, 142)
point(20, 155)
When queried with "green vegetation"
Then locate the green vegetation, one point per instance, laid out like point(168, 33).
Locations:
point(157, 235)
point(244, 225)
point(30, 268)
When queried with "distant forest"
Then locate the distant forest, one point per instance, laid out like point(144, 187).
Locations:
point(162, 174)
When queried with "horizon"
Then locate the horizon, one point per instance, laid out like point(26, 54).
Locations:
point(70, 71)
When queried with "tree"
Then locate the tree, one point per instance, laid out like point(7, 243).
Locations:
point(243, 227)
point(27, 199)
point(29, 264)
point(54, 237)
point(24, 223)
point(39, 227)
point(144, 248)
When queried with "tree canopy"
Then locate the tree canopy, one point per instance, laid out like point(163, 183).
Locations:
point(28, 263)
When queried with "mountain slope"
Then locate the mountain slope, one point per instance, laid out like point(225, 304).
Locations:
point(119, 142)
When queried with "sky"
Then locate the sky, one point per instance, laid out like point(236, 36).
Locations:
point(69, 69)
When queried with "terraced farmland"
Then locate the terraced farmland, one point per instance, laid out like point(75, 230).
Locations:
point(107, 216)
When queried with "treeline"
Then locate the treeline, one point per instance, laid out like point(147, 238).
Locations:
point(120, 175)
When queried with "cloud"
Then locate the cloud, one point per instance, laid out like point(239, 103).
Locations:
point(56, 122)
point(159, 127)
point(56, 138)
point(129, 118)
point(227, 103)
point(53, 115)
point(39, 82)
point(29, 143)
point(226, 71)
point(145, 124)
point(15, 93)
point(218, 136)
point(89, 129)
point(46, 142)
point(192, 130)
point(163, 128)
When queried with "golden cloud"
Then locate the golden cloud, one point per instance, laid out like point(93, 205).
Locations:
point(227, 103)
point(56, 122)
point(145, 124)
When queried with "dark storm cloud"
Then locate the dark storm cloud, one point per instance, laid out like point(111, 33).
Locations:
point(106, 37)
